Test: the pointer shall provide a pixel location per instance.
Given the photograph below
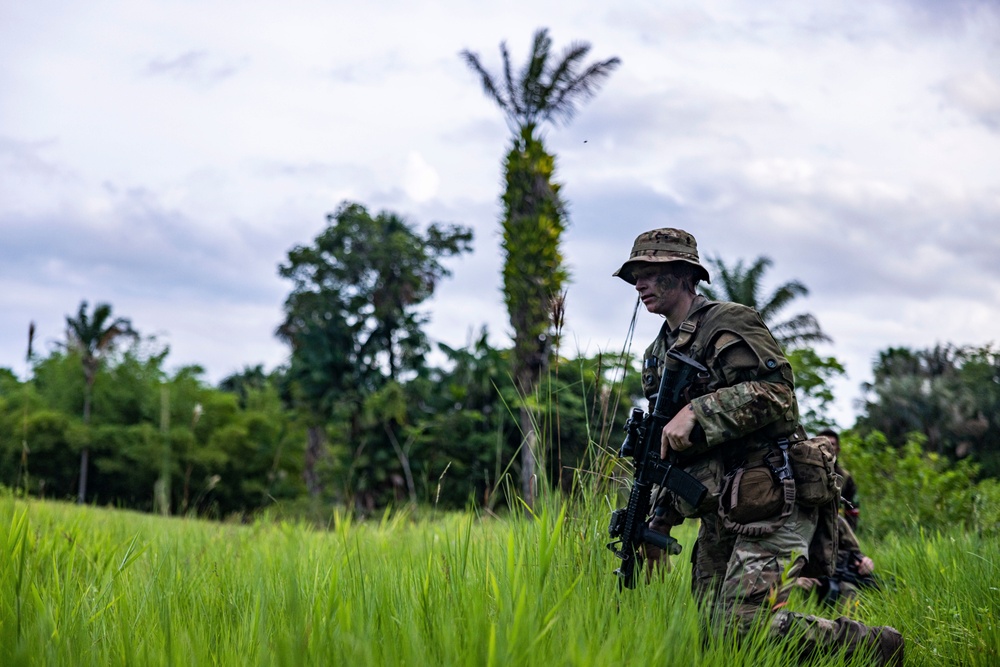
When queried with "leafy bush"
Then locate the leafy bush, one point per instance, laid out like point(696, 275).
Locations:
point(986, 506)
point(908, 489)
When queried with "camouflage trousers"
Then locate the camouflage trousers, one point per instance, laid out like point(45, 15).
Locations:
point(740, 580)
point(735, 577)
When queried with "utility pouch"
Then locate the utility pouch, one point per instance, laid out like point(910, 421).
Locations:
point(756, 501)
point(816, 480)
point(750, 494)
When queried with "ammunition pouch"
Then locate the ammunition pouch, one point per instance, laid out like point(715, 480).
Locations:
point(751, 494)
point(816, 481)
point(757, 499)
point(758, 496)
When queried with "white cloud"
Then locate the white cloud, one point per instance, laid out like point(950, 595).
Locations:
point(978, 94)
point(420, 179)
point(165, 157)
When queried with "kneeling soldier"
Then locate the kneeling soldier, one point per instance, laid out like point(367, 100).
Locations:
point(739, 435)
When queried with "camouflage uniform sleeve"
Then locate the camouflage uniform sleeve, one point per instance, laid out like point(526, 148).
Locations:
point(756, 389)
point(733, 412)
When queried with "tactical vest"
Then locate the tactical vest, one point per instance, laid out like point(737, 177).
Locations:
point(708, 331)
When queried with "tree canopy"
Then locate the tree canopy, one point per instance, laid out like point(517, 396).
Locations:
point(949, 394)
point(546, 88)
point(352, 317)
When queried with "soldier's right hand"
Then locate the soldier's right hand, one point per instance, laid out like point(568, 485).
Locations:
point(677, 432)
point(806, 583)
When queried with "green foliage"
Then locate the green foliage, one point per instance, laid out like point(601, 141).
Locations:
point(813, 375)
point(582, 410)
point(910, 490)
point(353, 326)
point(249, 381)
point(533, 270)
point(360, 282)
point(447, 437)
point(949, 394)
point(223, 458)
point(50, 462)
point(986, 506)
point(58, 380)
point(465, 434)
point(444, 438)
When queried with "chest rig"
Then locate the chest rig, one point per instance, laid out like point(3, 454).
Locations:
point(656, 354)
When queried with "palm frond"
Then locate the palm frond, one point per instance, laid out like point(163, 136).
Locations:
point(564, 71)
point(800, 330)
point(752, 279)
point(742, 284)
point(584, 86)
point(490, 87)
point(542, 90)
point(534, 69)
point(516, 107)
point(781, 297)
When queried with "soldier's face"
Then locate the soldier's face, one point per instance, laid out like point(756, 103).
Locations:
point(658, 287)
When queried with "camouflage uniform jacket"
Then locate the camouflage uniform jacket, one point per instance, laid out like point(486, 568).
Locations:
point(748, 398)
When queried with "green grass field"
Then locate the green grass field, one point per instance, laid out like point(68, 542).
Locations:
point(88, 586)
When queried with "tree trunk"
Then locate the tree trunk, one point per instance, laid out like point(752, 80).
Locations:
point(161, 488)
point(404, 461)
point(533, 273)
point(315, 446)
point(81, 494)
point(187, 488)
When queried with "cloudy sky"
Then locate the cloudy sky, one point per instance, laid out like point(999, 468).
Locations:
point(165, 156)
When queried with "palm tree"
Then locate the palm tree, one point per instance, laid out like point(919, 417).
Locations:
point(93, 337)
point(547, 89)
point(743, 285)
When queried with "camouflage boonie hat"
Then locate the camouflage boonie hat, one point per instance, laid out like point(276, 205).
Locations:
point(662, 245)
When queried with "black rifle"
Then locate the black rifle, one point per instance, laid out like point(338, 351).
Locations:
point(846, 573)
point(629, 527)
